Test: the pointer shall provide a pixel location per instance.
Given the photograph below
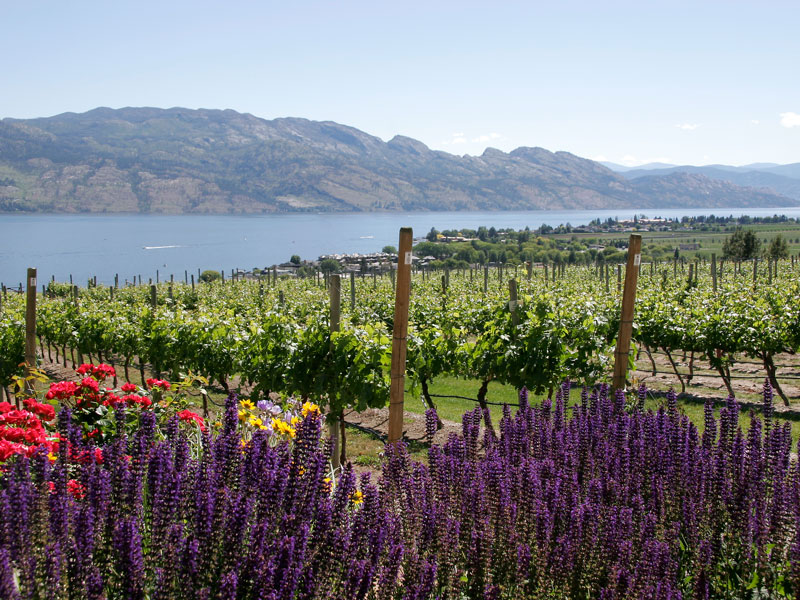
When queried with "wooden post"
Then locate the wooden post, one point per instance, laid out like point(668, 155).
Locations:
point(512, 301)
point(192, 281)
point(622, 352)
point(352, 291)
point(334, 289)
point(485, 279)
point(755, 270)
point(714, 271)
point(30, 331)
point(153, 296)
point(398, 372)
point(529, 268)
point(157, 276)
point(619, 278)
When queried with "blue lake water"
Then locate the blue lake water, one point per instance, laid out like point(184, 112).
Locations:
point(131, 245)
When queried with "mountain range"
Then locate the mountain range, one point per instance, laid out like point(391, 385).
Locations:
point(783, 179)
point(220, 161)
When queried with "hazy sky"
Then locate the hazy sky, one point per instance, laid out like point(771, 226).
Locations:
point(684, 82)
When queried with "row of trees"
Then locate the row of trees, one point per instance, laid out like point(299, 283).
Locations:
point(744, 245)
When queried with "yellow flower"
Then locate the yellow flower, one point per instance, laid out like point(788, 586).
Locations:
point(255, 422)
point(357, 497)
point(242, 415)
point(247, 404)
point(283, 427)
point(296, 420)
point(326, 484)
point(310, 409)
point(52, 457)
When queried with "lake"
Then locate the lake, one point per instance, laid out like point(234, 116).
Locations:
point(131, 245)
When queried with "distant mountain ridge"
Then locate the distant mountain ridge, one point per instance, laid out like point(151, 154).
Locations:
point(220, 161)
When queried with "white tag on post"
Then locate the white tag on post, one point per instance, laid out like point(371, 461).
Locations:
point(637, 260)
point(408, 258)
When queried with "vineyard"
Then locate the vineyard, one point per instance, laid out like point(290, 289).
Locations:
point(276, 336)
point(581, 494)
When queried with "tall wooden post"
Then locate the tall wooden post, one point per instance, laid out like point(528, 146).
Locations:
point(153, 296)
point(512, 301)
point(335, 291)
point(398, 372)
point(626, 322)
point(30, 330)
point(352, 291)
point(714, 271)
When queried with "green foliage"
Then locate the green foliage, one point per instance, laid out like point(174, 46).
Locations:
point(778, 248)
point(209, 276)
point(741, 245)
point(330, 265)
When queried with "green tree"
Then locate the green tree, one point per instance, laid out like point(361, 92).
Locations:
point(389, 250)
point(778, 248)
point(209, 276)
point(295, 260)
point(741, 245)
point(330, 265)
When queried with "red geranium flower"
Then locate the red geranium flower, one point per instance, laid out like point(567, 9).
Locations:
point(161, 383)
point(63, 390)
point(90, 384)
point(187, 415)
point(76, 489)
point(128, 388)
point(45, 411)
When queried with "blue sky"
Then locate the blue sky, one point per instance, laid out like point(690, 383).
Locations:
point(631, 82)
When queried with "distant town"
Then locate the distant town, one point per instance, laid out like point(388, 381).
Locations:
point(487, 246)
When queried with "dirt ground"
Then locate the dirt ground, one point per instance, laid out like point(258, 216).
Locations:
point(376, 421)
point(747, 378)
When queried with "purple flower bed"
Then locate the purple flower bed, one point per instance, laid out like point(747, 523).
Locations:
point(596, 501)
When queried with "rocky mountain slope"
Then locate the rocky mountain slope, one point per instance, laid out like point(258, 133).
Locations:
point(214, 161)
